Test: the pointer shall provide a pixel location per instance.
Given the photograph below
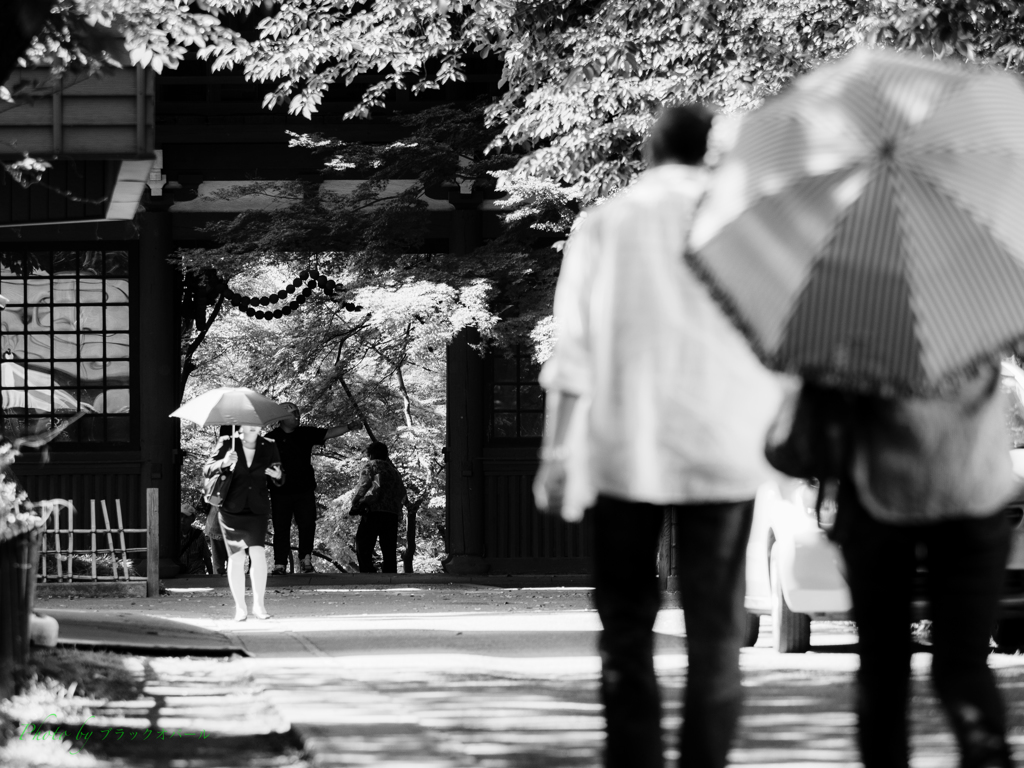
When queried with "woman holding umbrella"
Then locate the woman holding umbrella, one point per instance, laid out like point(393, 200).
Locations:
point(245, 510)
point(250, 460)
point(864, 232)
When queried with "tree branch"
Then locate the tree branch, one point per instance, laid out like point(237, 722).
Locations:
point(406, 401)
point(351, 397)
point(187, 366)
point(359, 411)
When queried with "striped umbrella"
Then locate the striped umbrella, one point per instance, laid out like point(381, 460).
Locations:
point(866, 230)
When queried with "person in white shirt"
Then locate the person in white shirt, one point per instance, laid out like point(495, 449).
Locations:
point(656, 404)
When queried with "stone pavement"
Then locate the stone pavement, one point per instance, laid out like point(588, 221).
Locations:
point(471, 675)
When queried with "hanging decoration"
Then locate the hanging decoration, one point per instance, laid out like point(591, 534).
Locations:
point(299, 289)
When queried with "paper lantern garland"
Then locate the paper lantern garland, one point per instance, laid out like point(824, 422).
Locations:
point(303, 286)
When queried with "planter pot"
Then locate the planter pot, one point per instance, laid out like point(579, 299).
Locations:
point(19, 561)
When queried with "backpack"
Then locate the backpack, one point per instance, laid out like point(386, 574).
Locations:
point(387, 492)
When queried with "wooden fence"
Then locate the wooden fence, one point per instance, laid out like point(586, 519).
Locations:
point(72, 551)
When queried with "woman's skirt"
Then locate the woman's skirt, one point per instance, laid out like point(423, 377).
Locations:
point(243, 529)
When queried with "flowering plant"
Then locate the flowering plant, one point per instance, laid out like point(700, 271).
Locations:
point(17, 514)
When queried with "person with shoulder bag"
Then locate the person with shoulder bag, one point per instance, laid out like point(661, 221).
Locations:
point(921, 481)
point(378, 500)
point(250, 461)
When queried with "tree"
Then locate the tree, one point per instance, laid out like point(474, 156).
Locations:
point(375, 340)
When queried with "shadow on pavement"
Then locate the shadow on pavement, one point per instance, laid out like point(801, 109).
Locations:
point(273, 750)
point(424, 714)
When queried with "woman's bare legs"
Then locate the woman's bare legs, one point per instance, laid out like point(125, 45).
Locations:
point(236, 580)
point(258, 578)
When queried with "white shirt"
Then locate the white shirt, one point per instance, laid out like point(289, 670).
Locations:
point(674, 405)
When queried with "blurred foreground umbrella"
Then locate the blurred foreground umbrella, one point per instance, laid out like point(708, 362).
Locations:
point(232, 405)
point(867, 228)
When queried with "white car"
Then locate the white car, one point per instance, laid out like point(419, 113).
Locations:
point(795, 573)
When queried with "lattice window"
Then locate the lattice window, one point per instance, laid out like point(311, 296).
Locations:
point(517, 400)
point(65, 344)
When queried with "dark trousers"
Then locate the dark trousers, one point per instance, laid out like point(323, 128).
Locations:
point(710, 563)
point(285, 507)
point(219, 553)
point(374, 526)
point(966, 562)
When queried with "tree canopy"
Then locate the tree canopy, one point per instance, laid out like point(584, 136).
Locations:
point(581, 78)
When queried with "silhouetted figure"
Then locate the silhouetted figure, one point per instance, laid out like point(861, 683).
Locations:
point(296, 497)
point(378, 498)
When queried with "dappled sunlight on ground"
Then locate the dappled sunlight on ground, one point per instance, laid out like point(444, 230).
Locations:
point(494, 680)
point(504, 711)
point(448, 709)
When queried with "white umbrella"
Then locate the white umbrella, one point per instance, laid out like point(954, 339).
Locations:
point(232, 405)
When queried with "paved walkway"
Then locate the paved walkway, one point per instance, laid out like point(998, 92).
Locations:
point(470, 675)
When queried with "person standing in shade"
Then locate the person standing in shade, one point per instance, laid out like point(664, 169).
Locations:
point(378, 499)
point(656, 405)
point(193, 553)
point(296, 498)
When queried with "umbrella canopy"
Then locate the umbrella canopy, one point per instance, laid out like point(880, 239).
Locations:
point(232, 405)
point(866, 230)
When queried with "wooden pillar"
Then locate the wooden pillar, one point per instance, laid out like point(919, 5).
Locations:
point(153, 542)
point(159, 359)
point(464, 529)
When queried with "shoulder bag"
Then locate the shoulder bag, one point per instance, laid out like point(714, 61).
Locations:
point(809, 436)
point(215, 488)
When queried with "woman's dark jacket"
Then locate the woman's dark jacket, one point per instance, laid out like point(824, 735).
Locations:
point(248, 484)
